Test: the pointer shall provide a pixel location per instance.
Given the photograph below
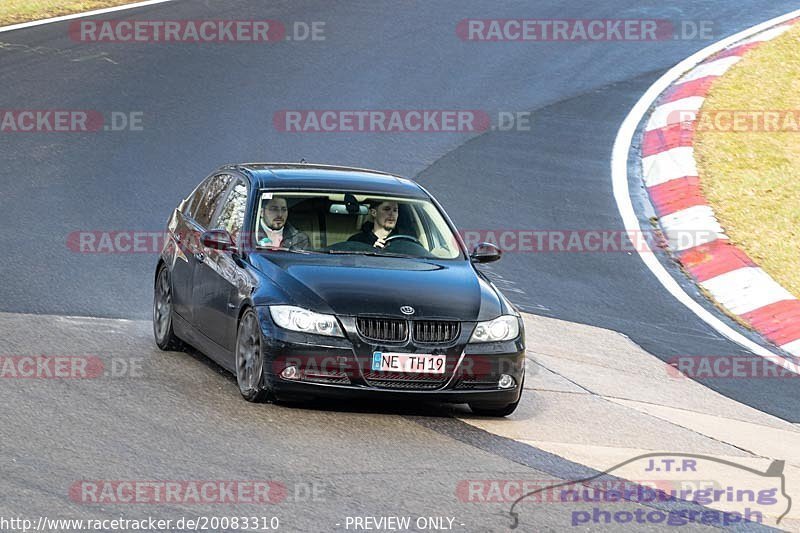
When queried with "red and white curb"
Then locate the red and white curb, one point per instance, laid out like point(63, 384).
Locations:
point(688, 222)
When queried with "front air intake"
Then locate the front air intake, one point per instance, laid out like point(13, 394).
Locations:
point(436, 331)
point(382, 329)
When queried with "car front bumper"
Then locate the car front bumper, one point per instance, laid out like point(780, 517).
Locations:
point(336, 367)
point(300, 390)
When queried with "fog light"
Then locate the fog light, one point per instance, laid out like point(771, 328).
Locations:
point(290, 372)
point(506, 382)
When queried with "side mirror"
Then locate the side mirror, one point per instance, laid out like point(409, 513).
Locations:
point(485, 252)
point(218, 239)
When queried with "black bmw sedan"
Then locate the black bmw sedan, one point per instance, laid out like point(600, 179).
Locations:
point(317, 281)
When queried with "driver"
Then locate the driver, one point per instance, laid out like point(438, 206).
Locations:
point(274, 229)
point(382, 226)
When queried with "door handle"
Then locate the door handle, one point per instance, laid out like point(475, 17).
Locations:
point(200, 256)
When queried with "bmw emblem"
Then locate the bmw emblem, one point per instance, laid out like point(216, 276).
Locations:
point(407, 310)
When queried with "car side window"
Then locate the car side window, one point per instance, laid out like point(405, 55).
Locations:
point(212, 197)
point(190, 204)
point(231, 216)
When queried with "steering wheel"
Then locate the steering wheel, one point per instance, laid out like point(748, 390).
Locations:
point(407, 237)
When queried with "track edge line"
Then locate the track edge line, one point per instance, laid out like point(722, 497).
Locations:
point(619, 179)
point(95, 12)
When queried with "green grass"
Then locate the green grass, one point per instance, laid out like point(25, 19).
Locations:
point(16, 11)
point(752, 179)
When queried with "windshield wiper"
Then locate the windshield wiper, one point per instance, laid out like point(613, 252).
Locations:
point(374, 254)
point(351, 252)
point(290, 250)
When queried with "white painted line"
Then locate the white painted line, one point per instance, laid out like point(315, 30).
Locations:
point(81, 15)
point(683, 110)
point(768, 35)
point(792, 347)
point(690, 227)
point(712, 68)
point(619, 179)
point(746, 289)
point(669, 165)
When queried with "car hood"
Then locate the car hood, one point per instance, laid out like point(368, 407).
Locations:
point(365, 285)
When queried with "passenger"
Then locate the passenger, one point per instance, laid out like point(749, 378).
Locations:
point(382, 226)
point(274, 230)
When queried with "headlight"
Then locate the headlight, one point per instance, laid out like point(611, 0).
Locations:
point(298, 319)
point(503, 328)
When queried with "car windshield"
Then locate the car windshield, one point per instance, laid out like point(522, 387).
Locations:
point(352, 223)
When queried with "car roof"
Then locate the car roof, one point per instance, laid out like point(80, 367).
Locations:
point(328, 177)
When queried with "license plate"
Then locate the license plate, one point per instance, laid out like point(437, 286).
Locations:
point(409, 362)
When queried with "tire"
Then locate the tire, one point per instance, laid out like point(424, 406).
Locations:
point(162, 314)
point(250, 360)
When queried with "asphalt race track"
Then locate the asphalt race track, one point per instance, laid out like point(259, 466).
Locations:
point(204, 105)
